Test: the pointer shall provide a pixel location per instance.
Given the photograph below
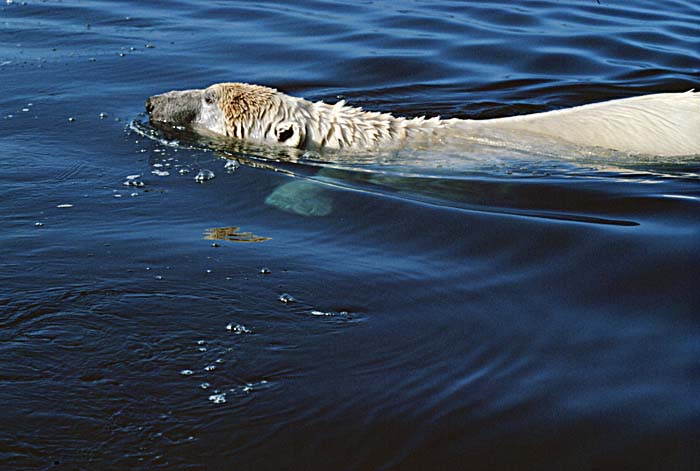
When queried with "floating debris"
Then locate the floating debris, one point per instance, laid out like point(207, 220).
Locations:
point(232, 234)
point(204, 175)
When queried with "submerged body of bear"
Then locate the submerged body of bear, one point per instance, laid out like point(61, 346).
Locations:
point(664, 124)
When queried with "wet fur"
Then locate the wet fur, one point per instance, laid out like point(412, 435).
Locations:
point(664, 124)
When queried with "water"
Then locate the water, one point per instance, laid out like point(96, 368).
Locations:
point(473, 310)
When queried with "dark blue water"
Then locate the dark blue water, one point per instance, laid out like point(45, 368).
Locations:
point(450, 312)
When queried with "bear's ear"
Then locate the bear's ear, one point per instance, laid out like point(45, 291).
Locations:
point(288, 133)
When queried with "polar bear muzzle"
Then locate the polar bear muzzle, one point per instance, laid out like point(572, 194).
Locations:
point(176, 107)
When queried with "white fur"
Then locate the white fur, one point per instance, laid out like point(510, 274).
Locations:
point(664, 124)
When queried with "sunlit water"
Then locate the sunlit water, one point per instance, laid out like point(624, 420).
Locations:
point(175, 302)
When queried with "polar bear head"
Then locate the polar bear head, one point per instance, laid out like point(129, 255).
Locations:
point(248, 112)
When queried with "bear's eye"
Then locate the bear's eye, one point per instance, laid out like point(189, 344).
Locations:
point(208, 99)
point(285, 134)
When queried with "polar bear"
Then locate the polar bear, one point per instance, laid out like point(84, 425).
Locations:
point(663, 124)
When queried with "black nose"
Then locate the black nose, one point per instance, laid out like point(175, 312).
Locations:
point(149, 105)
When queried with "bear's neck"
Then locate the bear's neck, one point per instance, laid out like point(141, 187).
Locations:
point(344, 127)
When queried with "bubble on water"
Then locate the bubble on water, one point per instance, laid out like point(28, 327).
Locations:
point(38, 224)
point(103, 115)
point(250, 387)
point(184, 171)
point(214, 244)
point(25, 110)
point(322, 313)
point(150, 46)
point(157, 165)
point(231, 165)
point(71, 119)
point(205, 385)
point(64, 205)
point(132, 182)
point(200, 342)
point(311, 155)
point(208, 271)
point(160, 173)
point(134, 194)
point(238, 329)
point(117, 195)
point(202, 349)
point(159, 277)
point(265, 271)
point(286, 298)
point(210, 368)
point(219, 360)
point(218, 398)
point(204, 175)
point(186, 372)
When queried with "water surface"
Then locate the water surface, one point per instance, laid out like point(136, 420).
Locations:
point(444, 310)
